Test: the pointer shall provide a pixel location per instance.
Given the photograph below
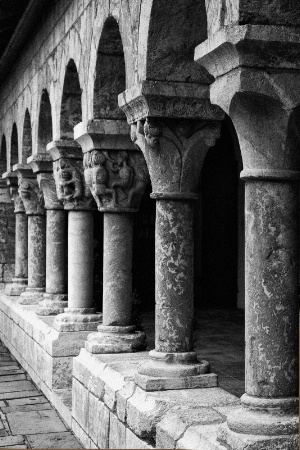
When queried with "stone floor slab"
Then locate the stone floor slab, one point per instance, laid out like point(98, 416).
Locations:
point(19, 394)
point(4, 370)
point(34, 422)
point(53, 440)
point(28, 400)
point(25, 408)
point(16, 386)
point(11, 440)
point(11, 377)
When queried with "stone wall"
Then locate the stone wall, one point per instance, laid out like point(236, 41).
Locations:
point(7, 238)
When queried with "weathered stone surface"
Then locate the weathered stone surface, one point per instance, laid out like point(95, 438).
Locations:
point(117, 433)
point(10, 441)
point(54, 440)
point(56, 241)
point(29, 400)
point(31, 422)
point(15, 386)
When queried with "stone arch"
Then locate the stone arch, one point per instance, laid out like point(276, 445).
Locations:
point(44, 123)
point(168, 35)
point(110, 79)
point(14, 153)
point(3, 156)
point(71, 111)
point(27, 138)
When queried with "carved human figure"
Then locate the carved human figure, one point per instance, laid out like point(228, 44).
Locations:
point(69, 183)
point(100, 182)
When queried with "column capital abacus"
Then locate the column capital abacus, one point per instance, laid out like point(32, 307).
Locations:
point(174, 124)
point(28, 188)
point(71, 187)
point(114, 168)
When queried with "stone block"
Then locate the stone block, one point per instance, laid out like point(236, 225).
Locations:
point(197, 437)
point(144, 412)
point(114, 382)
point(176, 421)
point(80, 434)
point(132, 441)
point(80, 404)
point(117, 433)
point(87, 369)
point(9, 441)
point(122, 396)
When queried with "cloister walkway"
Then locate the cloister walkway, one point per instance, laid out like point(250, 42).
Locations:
point(27, 420)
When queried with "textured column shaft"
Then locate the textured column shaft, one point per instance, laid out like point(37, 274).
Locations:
point(56, 267)
point(80, 259)
point(36, 251)
point(174, 262)
point(21, 250)
point(117, 264)
point(271, 288)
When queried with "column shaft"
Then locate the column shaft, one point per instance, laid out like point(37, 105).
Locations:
point(271, 288)
point(117, 265)
point(80, 259)
point(21, 250)
point(174, 263)
point(56, 261)
point(36, 251)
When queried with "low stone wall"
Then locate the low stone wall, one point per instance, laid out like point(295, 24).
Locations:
point(46, 354)
point(110, 411)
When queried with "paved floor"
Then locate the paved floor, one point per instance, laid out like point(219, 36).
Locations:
point(27, 420)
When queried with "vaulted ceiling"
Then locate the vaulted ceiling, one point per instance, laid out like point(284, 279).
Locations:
point(11, 12)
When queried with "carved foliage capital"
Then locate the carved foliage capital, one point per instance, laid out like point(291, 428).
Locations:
point(117, 179)
point(71, 187)
point(174, 151)
point(31, 196)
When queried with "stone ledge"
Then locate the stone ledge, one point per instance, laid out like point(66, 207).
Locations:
point(104, 384)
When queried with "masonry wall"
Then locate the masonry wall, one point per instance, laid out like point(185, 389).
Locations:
point(7, 238)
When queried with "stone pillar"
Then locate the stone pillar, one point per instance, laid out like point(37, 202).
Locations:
point(117, 175)
point(270, 403)
point(174, 137)
point(55, 298)
point(34, 206)
point(73, 192)
point(20, 281)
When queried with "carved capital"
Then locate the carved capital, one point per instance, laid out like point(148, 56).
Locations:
point(168, 100)
point(71, 186)
point(174, 151)
point(16, 198)
point(31, 196)
point(117, 179)
point(48, 187)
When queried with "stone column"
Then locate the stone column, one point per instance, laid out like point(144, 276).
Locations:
point(117, 175)
point(20, 281)
point(74, 193)
point(34, 206)
point(174, 137)
point(270, 403)
point(55, 298)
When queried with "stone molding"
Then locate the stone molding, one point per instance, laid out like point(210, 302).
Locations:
point(168, 100)
point(270, 174)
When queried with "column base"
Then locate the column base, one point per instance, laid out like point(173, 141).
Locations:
point(174, 371)
point(77, 319)
point(17, 286)
point(31, 296)
point(237, 441)
point(115, 339)
point(265, 416)
point(52, 304)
